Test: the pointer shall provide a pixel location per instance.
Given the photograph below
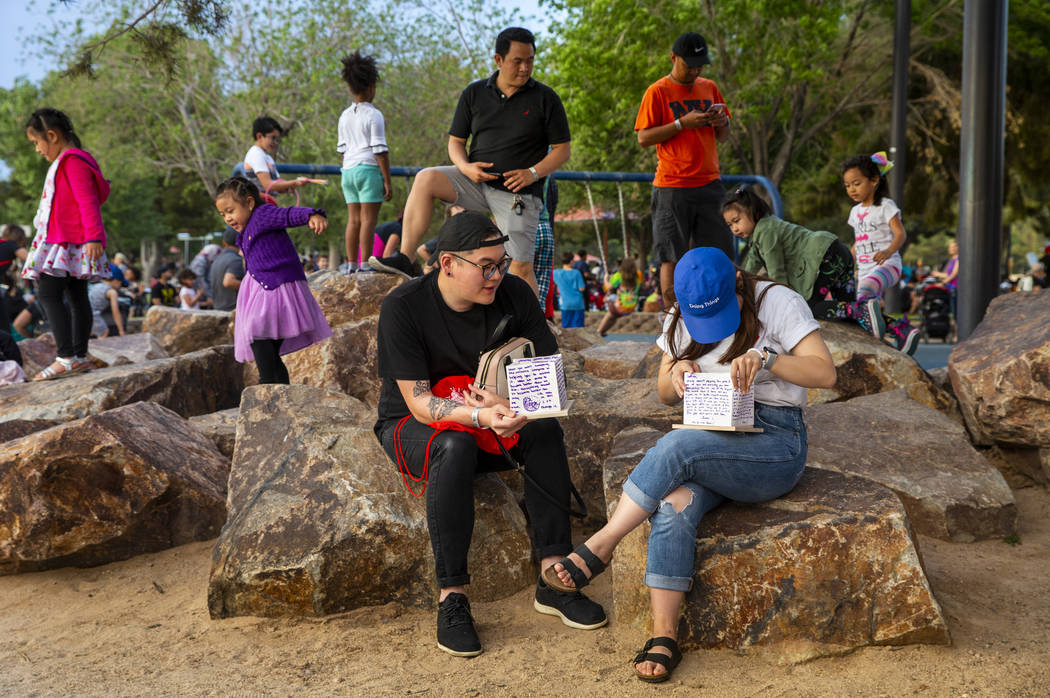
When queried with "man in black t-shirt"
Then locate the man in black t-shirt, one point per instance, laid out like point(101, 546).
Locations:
point(436, 327)
point(519, 135)
point(162, 292)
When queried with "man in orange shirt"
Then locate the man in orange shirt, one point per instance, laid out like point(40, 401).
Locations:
point(684, 116)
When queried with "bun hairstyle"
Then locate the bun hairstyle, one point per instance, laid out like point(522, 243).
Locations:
point(873, 166)
point(240, 189)
point(360, 72)
point(50, 119)
point(746, 199)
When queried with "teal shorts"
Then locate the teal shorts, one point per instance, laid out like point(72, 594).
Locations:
point(363, 184)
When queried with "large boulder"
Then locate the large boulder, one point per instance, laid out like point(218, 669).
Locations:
point(578, 338)
point(220, 428)
point(198, 383)
point(37, 352)
point(949, 489)
point(1001, 373)
point(1021, 466)
point(347, 362)
point(602, 409)
point(347, 299)
point(638, 322)
point(320, 521)
point(622, 359)
point(827, 568)
point(131, 480)
point(866, 366)
point(129, 349)
point(185, 331)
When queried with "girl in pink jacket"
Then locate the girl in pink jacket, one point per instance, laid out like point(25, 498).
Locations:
point(67, 252)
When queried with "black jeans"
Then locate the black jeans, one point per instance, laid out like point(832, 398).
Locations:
point(268, 358)
point(455, 460)
point(71, 326)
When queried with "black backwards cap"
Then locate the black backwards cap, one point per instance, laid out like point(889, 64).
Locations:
point(467, 231)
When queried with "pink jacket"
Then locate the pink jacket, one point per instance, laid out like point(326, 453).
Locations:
point(80, 190)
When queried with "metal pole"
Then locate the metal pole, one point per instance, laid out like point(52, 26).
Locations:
point(981, 162)
point(899, 122)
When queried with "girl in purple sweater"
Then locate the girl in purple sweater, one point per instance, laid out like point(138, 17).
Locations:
point(276, 313)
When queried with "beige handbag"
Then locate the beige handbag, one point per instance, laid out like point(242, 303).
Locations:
point(492, 367)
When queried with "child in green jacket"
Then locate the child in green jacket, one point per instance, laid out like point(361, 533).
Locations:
point(816, 264)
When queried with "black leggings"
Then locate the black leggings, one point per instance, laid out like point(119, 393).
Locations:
point(455, 460)
point(268, 359)
point(71, 326)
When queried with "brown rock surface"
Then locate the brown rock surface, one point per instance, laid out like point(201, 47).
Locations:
point(320, 521)
point(37, 352)
point(347, 299)
point(131, 480)
point(1001, 373)
point(129, 349)
point(346, 362)
point(602, 409)
point(1021, 467)
point(185, 331)
point(578, 338)
point(197, 383)
point(828, 568)
point(637, 322)
point(624, 359)
point(220, 428)
point(866, 366)
point(950, 490)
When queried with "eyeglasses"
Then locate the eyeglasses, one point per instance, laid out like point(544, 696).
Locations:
point(488, 270)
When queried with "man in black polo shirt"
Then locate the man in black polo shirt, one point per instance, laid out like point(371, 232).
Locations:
point(432, 331)
point(518, 136)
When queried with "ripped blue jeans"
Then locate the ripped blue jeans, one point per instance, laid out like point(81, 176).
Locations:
point(715, 466)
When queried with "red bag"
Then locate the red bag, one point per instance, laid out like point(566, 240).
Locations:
point(452, 388)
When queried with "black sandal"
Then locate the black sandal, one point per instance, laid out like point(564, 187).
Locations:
point(668, 663)
point(594, 564)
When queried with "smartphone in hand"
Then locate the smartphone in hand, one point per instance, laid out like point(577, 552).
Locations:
point(717, 109)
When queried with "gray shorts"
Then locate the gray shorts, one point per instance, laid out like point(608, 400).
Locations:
point(481, 197)
point(688, 217)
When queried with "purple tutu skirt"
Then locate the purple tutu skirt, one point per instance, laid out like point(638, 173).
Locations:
point(288, 312)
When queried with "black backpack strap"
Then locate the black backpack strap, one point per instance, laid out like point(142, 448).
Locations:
point(520, 467)
point(497, 334)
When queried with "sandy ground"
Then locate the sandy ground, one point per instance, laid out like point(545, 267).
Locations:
point(141, 627)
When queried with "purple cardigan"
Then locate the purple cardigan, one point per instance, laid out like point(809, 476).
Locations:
point(269, 255)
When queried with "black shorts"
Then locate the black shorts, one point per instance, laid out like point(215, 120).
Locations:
point(688, 217)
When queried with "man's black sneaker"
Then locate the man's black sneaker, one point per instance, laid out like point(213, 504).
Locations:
point(396, 263)
point(574, 609)
point(456, 633)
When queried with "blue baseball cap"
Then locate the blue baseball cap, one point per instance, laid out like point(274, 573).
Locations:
point(705, 287)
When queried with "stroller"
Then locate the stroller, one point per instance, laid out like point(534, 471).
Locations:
point(935, 318)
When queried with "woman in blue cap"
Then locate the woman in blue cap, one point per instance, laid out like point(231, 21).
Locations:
point(761, 333)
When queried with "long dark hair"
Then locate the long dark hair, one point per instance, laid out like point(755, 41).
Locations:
point(51, 119)
point(746, 334)
point(869, 169)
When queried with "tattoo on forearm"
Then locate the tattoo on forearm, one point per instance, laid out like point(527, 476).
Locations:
point(420, 388)
point(441, 407)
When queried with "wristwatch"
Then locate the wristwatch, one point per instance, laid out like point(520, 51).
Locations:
point(769, 357)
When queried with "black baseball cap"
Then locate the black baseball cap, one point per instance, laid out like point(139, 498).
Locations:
point(692, 49)
point(229, 236)
point(466, 231)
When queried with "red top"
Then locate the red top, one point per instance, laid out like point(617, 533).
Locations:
point(690, 157)
point(80, 190)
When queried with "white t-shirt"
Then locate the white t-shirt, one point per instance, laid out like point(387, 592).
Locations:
point(871, 233)
point(362, 135)
point(186, 295)
point(258, 160)
point(784, 320)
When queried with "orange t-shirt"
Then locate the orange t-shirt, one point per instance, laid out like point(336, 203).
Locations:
point(690, 158)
